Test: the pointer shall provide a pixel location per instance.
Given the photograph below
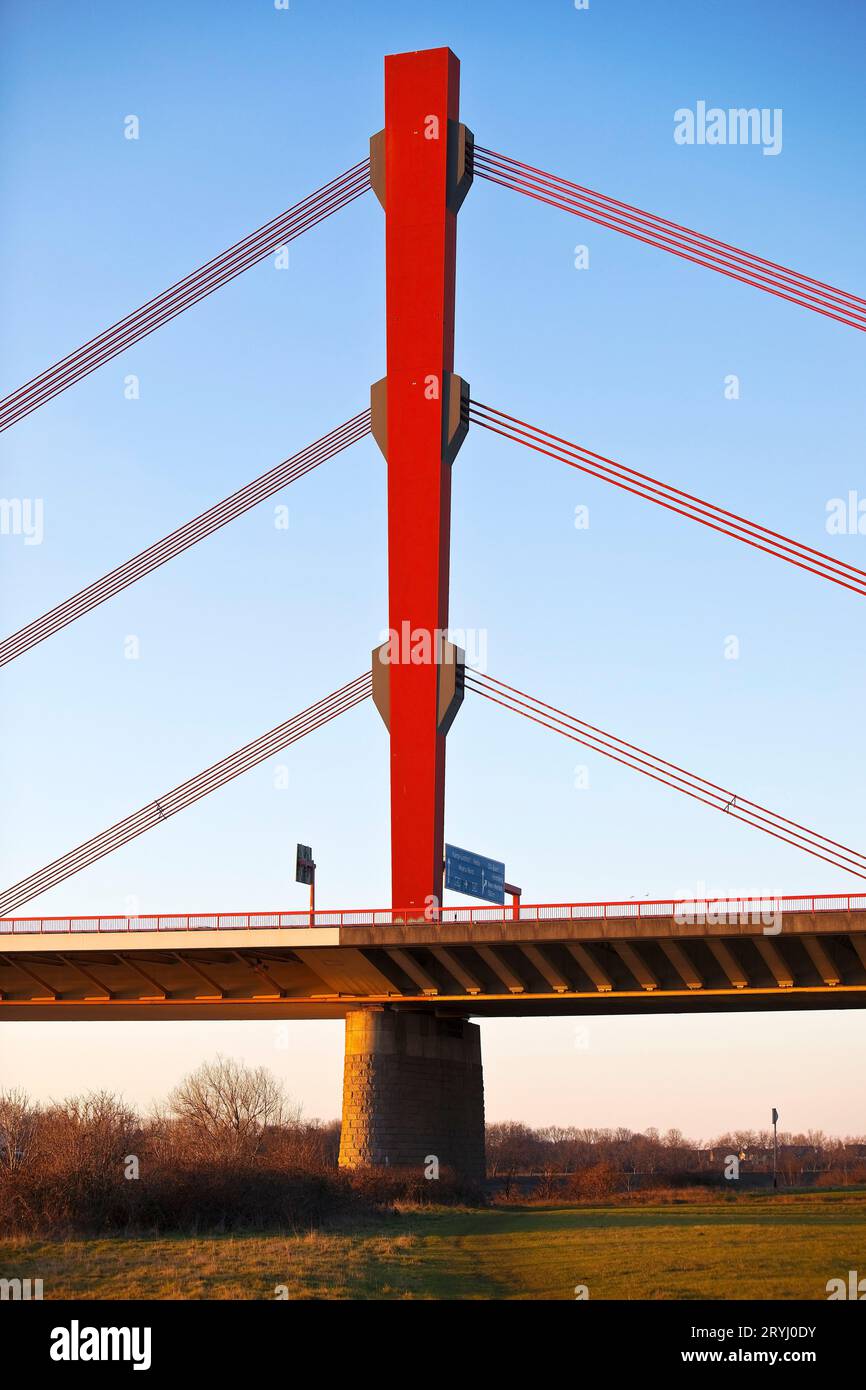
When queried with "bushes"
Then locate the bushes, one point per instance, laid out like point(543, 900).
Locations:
point(379, 1187)
point(62, 1160)
point(594, 1184)
point(228, 1154)
point(187, 1198)
point(197, 1197)
point(237, 1197)
point(843, 1175)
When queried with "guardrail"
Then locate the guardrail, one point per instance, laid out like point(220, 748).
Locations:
point(687, 909)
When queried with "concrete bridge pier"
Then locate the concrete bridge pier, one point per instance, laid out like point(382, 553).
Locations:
point(413, 1090)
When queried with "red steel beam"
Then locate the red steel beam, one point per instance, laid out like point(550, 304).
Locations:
point(420, 198)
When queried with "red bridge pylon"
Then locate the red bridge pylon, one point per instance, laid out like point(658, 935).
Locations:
point(421, 169)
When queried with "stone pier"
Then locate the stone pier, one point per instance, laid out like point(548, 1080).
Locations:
point(413, 1089)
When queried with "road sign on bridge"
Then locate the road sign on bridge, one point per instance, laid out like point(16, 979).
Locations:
point(474, 875)
point(305, 869)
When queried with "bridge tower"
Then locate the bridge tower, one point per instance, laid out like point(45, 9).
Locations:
point(413, 1081)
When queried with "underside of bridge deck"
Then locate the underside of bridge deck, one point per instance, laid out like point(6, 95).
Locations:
point(573, 966)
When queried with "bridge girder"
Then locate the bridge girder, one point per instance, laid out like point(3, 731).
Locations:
point(510, 967)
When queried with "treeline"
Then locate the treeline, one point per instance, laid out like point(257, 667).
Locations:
point(515, 1149)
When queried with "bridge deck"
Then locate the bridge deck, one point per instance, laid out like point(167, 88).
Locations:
point(751, 954)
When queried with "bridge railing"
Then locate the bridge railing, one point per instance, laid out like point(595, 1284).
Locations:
point(687, 910)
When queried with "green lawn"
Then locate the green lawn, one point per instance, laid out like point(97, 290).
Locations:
point(752, 1247)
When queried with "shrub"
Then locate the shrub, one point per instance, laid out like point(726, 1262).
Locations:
point(593, 1184)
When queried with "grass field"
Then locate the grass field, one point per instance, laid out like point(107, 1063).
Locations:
point(762, 1247)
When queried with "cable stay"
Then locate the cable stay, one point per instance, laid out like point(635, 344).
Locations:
point(218, 271)
point(668, 773)
point(159, 810)
point(146, 561)
point(673, 499)
point(660, 232)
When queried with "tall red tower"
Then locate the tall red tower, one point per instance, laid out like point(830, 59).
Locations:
point(421, 170)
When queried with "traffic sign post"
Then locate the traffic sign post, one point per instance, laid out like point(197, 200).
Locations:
point(305, 872)
point(516, 894)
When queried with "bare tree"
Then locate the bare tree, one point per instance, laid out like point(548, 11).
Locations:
point(90, 1134)
point(225, 1107)
point(18, 1123)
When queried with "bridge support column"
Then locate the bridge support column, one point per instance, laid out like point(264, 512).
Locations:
point(421, 169)
point(413, 1090)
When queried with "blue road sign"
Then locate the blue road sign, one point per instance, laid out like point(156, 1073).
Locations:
point(474, 875)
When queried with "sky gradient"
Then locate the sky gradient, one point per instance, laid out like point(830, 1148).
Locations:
point(243, 110)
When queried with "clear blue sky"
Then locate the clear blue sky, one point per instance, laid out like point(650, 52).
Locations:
point(243, 110)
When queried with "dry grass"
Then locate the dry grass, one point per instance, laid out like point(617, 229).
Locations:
point(752, 1246)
